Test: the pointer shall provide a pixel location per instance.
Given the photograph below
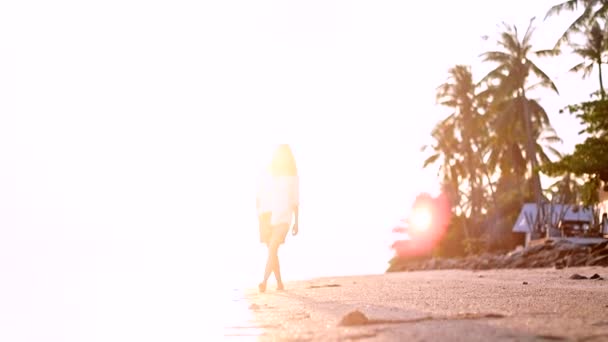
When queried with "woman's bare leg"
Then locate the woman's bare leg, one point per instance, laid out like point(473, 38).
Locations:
point(271, 261)
point(277, 270)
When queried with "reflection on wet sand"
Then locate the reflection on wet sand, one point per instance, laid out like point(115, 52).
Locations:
point(239, 322)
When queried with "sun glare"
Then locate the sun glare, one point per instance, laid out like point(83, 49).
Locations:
point(421, 218)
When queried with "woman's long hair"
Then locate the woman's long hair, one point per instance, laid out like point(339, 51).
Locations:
point(283, 162)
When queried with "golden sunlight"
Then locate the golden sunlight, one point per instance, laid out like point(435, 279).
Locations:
point(421, 218)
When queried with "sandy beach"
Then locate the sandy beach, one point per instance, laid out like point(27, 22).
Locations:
point(447, 305)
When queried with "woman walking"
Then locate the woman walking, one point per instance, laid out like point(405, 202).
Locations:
point(277, 204)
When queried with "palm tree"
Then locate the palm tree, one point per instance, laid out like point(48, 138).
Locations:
point(592, 52)
point(592, 9)
point(507, 125)
point(445, 153)
point(510, 80)
point(566, 190)
point(459, 92)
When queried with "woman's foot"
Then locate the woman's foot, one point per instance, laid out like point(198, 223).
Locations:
point(262, 287)
point(280, 287)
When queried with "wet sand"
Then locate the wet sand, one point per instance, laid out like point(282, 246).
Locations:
point(447, 305)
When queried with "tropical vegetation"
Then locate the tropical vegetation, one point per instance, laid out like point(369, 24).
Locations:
point(497, 144)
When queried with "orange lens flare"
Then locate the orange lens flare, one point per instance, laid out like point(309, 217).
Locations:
point(426, 226)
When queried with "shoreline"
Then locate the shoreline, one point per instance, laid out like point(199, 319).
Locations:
point(551, 253)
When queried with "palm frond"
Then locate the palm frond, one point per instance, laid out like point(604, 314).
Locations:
point(577, 68)
point(570, 5)
point(554, 151)
point(528, 35)
point(554, 139)
point(541, 155)
point(548, 53)
point(496, 74)
point(430, 160)
point(588, 70)
point(534, 86)
point(509, 38)
point(574, 27)
point(601, 12)
point(540, 115)
point(496, 56)
point(587, 53)
point(545, 79)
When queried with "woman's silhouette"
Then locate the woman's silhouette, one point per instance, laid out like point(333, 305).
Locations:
point(277, 204)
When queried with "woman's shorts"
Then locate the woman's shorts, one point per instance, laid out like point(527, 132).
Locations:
point(278, 234)
point(265, 228)
point(271, 234)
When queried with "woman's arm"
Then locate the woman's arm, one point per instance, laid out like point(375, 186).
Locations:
point(296, 205)
point(295, 229)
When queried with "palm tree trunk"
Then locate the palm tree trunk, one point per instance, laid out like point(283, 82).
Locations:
point(486, 173)
point(492, 194)
point(468, 153)
point(602, 92)
point(475, 206)
point(531, 147)
point(465, 228)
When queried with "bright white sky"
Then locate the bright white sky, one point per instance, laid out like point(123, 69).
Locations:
point(131, 133)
